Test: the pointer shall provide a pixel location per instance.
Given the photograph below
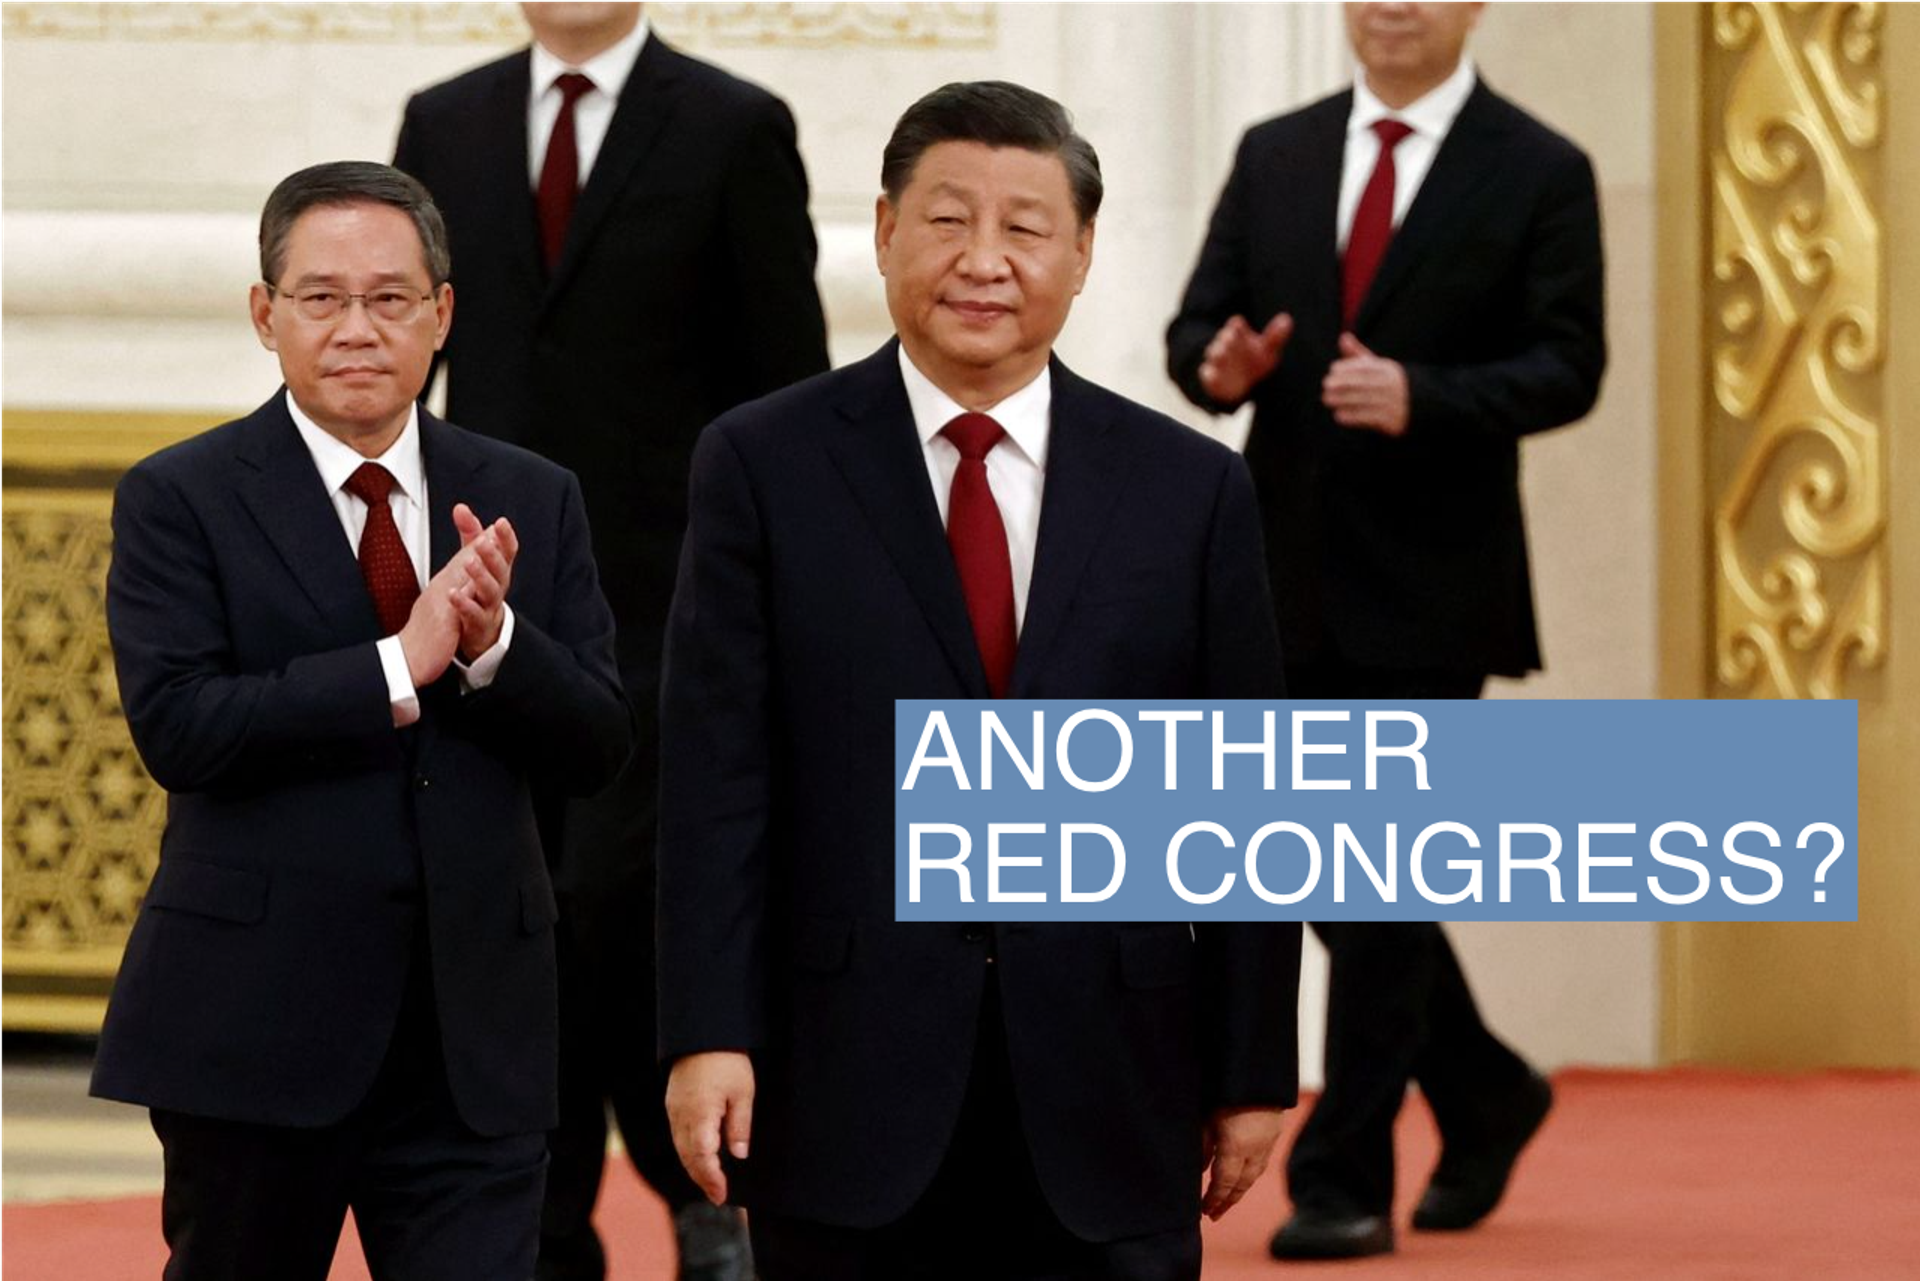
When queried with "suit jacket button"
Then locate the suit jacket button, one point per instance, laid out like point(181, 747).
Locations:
point(421, 782)
point(974, 934)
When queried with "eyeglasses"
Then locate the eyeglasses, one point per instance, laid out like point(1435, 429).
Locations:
point(393, 304)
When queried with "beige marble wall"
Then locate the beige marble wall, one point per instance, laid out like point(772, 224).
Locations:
point(139, 140)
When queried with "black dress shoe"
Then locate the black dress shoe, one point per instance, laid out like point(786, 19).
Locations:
point(713, 1243)
point(1467, 1185)
point(1323, 1234)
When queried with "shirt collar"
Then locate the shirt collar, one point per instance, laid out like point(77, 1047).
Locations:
point(338, 460)
point(1431, 114)
point(608, 69)
point(1024, 415)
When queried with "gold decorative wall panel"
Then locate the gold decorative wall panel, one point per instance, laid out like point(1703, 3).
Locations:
point(82, 819)
point(1796, 337)
point(930, 26)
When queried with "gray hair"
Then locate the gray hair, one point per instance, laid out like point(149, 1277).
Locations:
point(351, 182)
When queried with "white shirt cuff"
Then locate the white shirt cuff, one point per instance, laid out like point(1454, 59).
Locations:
point(400, 691)
point(480, 672)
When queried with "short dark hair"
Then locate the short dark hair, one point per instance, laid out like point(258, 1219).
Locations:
point(998, 114)
point(351, 182)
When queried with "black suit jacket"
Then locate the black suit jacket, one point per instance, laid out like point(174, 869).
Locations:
point(308, 842)
point(816, 587)
point(1408, 553)
point(685, 288)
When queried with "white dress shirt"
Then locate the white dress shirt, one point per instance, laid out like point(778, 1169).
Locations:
point(592, 111)
point(1430, 117)
point(336, 462)
point(1016, 467)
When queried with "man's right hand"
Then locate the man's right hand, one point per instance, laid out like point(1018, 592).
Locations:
point(1238, 358)
point(710, 1095)
point(432, 631)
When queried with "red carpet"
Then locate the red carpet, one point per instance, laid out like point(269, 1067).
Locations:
point(1689, 1175)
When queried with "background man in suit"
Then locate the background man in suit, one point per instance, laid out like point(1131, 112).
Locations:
point(925, 1100)
point(340, 989)
point(1405, 279)
point(636, 258)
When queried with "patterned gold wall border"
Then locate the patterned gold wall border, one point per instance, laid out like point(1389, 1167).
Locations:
point(797, 26)
point(80, 831)
point(1796, 308)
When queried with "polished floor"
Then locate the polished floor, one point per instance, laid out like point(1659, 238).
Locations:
point(1694, 1176)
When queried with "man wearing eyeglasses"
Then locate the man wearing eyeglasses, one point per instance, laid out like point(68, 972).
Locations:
point(352, 641)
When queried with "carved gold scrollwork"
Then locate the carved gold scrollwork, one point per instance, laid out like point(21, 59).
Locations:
point(1797, 458)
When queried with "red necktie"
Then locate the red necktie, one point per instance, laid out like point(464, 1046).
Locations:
point(384, 563)
point(1372, 223)
point(979, 543)
point(560, 171)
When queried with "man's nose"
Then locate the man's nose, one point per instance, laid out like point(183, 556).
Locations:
point(985, 257)
point(355, 324)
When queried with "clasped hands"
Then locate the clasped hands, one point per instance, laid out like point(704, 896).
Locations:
point(463, 607)
point(1363, 390)
point(710, 1101)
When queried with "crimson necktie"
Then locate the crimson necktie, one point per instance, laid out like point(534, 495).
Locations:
point(384, 562)
point(1372, 223)
point(560, 171)
point(979, 543)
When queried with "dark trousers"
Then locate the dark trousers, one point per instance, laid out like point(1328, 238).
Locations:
point(607, 1060)
point(984, 1218)
point(1398, 1010)
point(432, 1200)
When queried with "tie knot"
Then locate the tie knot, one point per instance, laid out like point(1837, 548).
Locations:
point(1391, 132)
point(973, 435)
point(572, 86)
point(370, 483)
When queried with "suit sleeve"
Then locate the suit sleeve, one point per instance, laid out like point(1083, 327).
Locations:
point(717, 777)
point(198, 721)
point(1250, 969)
point(783, 332)
point(1554, 376)
point(556, 701)
point(1217, 291)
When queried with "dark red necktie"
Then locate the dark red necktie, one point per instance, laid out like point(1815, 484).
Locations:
point(1372, 223)
point(384, 562)
point(979, 543)
point(560, 171)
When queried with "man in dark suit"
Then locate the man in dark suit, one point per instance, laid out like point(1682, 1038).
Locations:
point(1404, 279)
point(339, 993)
point(958, 516)
point(603, 329)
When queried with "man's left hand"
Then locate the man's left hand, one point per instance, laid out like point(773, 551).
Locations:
point(1240, 1143)
point(488, 552)
point(1365, 390)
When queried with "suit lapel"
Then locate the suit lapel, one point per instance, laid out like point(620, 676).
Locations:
point(502, 122)
point(647, 102)
point(1457, 171)
point(1316, 180)
point(286, 498)
point(1084, 479)
point(451, 463)
point(880, 457)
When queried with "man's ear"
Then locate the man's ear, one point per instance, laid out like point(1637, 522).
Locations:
point(260, 308)
point(1083, 245)
point(885, 219)
point(442, 315)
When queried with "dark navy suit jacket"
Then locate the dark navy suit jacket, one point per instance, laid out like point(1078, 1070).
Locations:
point(308, 842)
point(816, 587)
point(1408, 553)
